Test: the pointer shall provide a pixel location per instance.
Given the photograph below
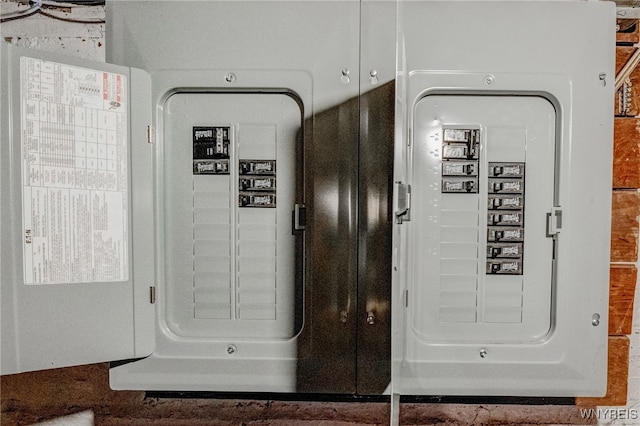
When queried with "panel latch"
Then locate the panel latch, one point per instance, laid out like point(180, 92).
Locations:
point(402, 198)
point(299, 217)
point(554, 221)
point(150, 135)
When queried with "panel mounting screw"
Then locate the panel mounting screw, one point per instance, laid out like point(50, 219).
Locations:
point(595, 320)
point(373, 76)
point(489, 80)
point(603, 78)
point(483, 353)
point(230, 78)
point(345, 76)
point(231, 349)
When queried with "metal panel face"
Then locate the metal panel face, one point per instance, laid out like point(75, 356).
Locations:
point(229, 190)
point(375, 178)
point(70, 294)
point(483, 182)
point(503, 159)
point(248, 324)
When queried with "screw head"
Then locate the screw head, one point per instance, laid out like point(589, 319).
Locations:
point(603, 78)
point(595, 320)
point(345, 76)
point(231, 349)
point(489, 80)
point(483, 353)
point(230, 78)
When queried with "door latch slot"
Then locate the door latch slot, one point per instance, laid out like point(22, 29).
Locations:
point(402, 202)
point(554, 222)
point(299, 217)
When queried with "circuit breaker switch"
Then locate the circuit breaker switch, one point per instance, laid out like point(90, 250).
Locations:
point(504, 267)
point(456, 151)
point(453, 168)
point(257, 167)
point(513, 250)
point(505, 234)
point(505, 185)
point(460, 185)
point(257, 200)
point(514, 218)
point(501, 202)
point(506, 170)
point(258, 184)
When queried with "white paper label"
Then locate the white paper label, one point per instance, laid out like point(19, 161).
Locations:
point(74, 173)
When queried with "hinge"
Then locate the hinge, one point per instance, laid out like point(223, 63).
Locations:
point(554, 221)
point(402, 198)
point(150, 135)
point(152, 295)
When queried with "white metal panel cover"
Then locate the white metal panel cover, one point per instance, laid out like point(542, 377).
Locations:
point(504, 129)
point(68, 290)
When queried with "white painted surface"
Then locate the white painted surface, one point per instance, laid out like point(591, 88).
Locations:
point(40, 32)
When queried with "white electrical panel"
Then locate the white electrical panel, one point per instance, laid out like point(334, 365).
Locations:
point(153, 216)
point(503, 172)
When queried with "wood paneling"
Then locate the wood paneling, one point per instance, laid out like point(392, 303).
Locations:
point(621, 296)
point(617, 375)
point(626, 153)
point(623, 53)
point(624, 225)
point(629, 31)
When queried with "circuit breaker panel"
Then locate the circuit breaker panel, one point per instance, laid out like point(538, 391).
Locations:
point(501, 242)
point(230, 189)
point(484, 266)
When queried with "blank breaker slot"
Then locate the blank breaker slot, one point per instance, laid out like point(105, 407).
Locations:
point(505, 218)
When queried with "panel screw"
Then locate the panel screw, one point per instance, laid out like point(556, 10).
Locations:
point(483, 353)
point(230, 78)
point(488, 80)
point(345, 76)
point(595, 320)
point(373, 76)
point(371, 319)
point(603, 78)
point(231, 349)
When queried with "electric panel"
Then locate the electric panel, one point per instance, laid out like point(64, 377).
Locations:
point(502, 178)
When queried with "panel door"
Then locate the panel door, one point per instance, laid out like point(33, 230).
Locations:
point(503, 163)
point(72, 210)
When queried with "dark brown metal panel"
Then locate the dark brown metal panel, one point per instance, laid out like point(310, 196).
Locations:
point(326, 353)
point(374, 239)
